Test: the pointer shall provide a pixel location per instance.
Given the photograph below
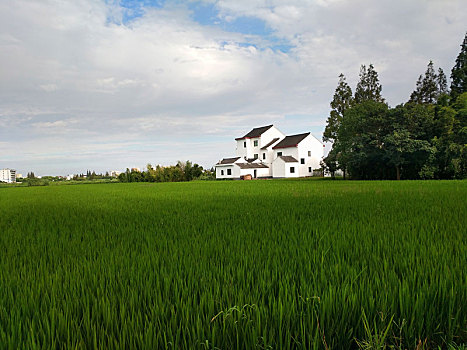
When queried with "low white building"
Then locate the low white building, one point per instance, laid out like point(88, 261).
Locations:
point(266, 152)
point(8, 175)
point(114, 173)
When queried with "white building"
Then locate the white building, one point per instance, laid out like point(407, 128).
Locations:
point(114, 173)
point(8, 175)
point(266, 152)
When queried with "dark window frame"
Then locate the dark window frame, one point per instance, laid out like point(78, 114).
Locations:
point(229, 171)
point(302, 160)
point(292, 170)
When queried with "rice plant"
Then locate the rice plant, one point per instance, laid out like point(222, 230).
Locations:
point(234, 265)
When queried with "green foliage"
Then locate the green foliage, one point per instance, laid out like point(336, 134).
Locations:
point(424, 139)
point(182, 171)
point(431, 87)
point(375, 335)
point(234, 265)
point(342, 100)
point(34, 181)
point(368, 87)
point(459, 71)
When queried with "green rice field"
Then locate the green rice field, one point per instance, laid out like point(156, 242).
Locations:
point(277, 264)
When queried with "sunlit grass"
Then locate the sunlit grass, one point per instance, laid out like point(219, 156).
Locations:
point(266, 264)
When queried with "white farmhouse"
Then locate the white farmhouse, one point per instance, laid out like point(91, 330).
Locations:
point(7, 175)
point(266, 152)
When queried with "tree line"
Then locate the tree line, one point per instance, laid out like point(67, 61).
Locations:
point(182, 171)
point(424, 138)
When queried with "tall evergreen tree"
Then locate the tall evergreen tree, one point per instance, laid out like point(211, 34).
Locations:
point(459, 71)
point(368, 88)
point(416, 95)
point(442, 82)
point(341, 101)
point(430, 86)
point(429, 89)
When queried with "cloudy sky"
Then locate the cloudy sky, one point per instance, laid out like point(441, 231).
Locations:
point(103, 85)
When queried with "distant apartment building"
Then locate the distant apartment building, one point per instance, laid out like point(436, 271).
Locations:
point(8, 175)
point(114, 173)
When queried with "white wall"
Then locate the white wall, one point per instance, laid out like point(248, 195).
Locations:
point(7, 175)
point(250, 150)
point(289, 151)
point(278, 168)
point(312, 145)
point(282, 169)
point(260, 172)
point(287, 170)
point(235, 171)
point(240, 150)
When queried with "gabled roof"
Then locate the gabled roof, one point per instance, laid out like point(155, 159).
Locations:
point(271, 143)
point(256, 132)
point(291, 141)
point(228, 160)
point(251, 165)
point(288, 159)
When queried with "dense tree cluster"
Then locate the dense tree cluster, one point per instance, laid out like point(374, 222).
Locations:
point(175, 173)
point(425, 138)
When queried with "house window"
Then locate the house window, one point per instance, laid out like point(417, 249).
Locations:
point(279, 154)
point(309, 169)
point(264, 155)
point(255, 156)
point(244, 144)
point(292, 169)
point(302, 160)
point(309, 153)
point(255, 143)
point(222, 172)
point(229, 171)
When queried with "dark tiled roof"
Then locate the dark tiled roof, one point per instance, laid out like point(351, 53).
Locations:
point(252, 160)
point(288, 159)
point(256, 132)
point(291, 141)
point(251, 165)
point(229, 160)
point(270, 143)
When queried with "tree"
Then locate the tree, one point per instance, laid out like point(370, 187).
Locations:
point(431, 87)
point(428, 86)
point(442, 83)
point(459, 72)
point(416, 95)
point(368, 88)
point(403, 144)
point(329, 163)
point(360, 141)
point(342, 100)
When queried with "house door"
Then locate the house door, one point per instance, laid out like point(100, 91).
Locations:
point(254, 172)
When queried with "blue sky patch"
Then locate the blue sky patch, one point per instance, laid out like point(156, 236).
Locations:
point(136, 8)
point(207, 14)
